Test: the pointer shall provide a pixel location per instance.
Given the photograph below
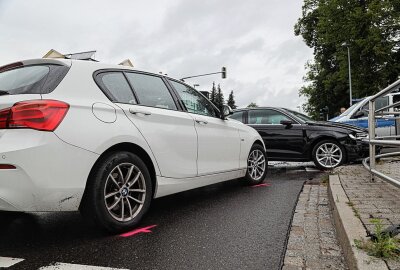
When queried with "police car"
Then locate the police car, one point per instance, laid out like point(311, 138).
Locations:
point(357, 115)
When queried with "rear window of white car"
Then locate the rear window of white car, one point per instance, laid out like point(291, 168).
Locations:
point(118, 88)
point(35, 79)
point(151, 91)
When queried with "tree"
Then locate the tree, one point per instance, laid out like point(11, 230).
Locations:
point(219, 98)
point(372, 31)
point(231, 101)
point(213, 93)
point(252, 105)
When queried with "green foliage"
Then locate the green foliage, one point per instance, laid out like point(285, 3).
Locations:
point(213, 93)
point(252, 105)
point(384, 246)
point(372, 31)
point(231, 101)
point(219, 98)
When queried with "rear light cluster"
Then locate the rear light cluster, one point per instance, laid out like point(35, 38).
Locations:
point(43, 115)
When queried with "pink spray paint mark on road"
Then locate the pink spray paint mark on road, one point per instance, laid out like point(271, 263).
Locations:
point(262, 185)
point(137, 231)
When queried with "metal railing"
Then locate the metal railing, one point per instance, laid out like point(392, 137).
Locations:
point(370, 162)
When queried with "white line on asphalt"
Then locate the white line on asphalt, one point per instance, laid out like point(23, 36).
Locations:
point(67, 266)
point(6, 262)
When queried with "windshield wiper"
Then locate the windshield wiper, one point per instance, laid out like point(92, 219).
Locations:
point(3, 93)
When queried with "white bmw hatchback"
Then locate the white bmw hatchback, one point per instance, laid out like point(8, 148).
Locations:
point(108, 139)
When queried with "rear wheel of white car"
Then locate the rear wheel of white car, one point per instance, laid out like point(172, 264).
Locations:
point(119, 192)
point(257, 164)
point(328, 154)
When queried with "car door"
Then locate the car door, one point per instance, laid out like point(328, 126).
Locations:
point(218, 139)
point(149, 105)
point(283, 142)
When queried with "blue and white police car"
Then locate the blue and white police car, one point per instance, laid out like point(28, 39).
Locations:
point(357, 115)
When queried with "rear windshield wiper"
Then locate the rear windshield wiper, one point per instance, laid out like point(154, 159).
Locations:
point(3, 93)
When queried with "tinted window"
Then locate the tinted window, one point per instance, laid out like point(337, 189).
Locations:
point(194, 102)
point(24, 80)
point(117, 87)
point(151, 91)
point(237, 116)
point(267, 117)
point(396, 98)
point(379, 103)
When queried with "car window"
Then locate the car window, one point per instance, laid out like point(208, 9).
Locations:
point(194, 102)
point(118, 88)
point(396, 98)
point(266, 117)
point(34, 79)
point(151, 91)
point(379, 103)
point(237, 116)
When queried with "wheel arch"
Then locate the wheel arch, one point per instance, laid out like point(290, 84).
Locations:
point(129, 147)
point(259, 142)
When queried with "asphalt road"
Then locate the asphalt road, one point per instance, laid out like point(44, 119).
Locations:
point(224, 226)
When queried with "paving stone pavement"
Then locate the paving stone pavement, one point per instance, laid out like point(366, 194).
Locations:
point(373, 200)
point(312, 242)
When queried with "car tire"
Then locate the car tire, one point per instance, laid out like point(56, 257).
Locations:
point(118, 193)
point(256, 170)
point(328, 154)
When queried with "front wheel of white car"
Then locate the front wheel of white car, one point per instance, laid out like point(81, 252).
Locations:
point(119, 192)
point(257, 165)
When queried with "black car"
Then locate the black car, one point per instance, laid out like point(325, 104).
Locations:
point(292, 136)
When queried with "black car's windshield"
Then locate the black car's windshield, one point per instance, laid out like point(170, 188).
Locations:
point(304, 118)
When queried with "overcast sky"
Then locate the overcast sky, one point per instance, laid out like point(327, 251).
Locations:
point(254, 39)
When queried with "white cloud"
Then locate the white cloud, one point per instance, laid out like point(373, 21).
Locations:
point(253, 39)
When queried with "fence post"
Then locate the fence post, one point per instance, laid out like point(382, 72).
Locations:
point(371, 125)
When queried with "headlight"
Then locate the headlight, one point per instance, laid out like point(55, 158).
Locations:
point(358, 136)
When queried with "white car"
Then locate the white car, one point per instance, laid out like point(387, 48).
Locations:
point(108, 139)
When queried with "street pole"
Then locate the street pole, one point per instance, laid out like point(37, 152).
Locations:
point(351, 95)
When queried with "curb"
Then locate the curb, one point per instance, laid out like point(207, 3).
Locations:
point(348, 228)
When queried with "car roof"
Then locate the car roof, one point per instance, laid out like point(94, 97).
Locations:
point(68, 62)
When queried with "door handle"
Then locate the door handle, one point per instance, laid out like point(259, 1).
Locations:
point(201, 122)
point(134, 111)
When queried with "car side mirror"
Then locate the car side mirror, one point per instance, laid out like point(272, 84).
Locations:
point(226, 111)
point(359, 114)
point(286, 123)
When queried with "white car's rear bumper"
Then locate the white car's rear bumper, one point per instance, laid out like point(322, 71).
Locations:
point(50, 174)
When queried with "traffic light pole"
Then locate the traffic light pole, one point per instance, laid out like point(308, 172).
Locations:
point(223, 72)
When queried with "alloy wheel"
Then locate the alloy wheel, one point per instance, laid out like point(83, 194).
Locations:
point(329, 155)
point(124, 192)
point(256, 164)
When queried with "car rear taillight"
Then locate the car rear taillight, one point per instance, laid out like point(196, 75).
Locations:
point(7, 167)
point(43, 115)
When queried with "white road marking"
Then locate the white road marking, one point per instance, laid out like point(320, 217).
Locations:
point(6, 262)
point(67, 266)
point(311, 169)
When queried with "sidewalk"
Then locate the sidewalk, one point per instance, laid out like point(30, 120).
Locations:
point(312, 241)
point(373, 200)
point(355, 200)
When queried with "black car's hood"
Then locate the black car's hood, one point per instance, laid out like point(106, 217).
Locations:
point(337, 125)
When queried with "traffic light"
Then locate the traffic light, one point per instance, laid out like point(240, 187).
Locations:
point(223, 72)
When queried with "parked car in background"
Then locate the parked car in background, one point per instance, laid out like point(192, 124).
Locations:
point(357, 115)
point(292, 136)
point(108, 139)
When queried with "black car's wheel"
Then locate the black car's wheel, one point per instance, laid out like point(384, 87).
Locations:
point(119, 192)
point(328, 154)
point(257, 165)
